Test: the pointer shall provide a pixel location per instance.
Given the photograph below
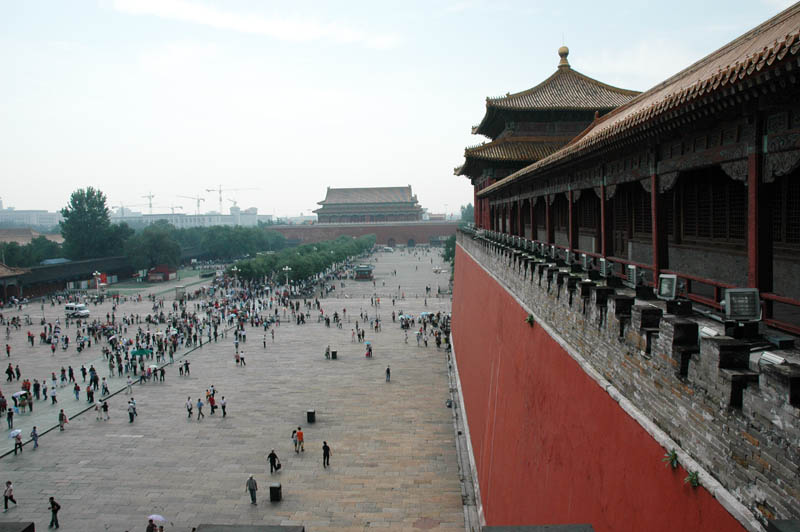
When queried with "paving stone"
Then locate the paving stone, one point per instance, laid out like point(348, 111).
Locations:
point(394, 458)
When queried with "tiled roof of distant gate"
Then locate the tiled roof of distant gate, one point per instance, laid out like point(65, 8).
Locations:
point(10, 271)
point(565, 89)
point(723, 69)
point(516, 148)
point(368, 195)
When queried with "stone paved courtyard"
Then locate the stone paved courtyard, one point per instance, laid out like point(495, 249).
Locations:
point(394, 461)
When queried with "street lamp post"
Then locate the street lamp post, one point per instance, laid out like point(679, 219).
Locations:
point(97, 275)
point(235, 272)
point(286, 270)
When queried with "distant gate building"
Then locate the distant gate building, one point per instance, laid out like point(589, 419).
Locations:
point(365, 205)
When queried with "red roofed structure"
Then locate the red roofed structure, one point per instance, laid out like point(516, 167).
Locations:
point(531, 125)
point(364, 205)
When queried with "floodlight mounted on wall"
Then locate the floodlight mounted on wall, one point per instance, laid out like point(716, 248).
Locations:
point(606, 267)
point(667, 287)
point(632, 276)
point(742, 304)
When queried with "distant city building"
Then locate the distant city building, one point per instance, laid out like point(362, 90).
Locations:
point(377, 204)
point(247, 218)
point(27, 218)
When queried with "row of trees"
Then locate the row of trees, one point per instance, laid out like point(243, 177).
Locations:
point(305, 260)
point(39, 249)
point(89, 233)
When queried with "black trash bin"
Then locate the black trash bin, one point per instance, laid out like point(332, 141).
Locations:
point(311, 416)
point(333, 355)
point(275, 494)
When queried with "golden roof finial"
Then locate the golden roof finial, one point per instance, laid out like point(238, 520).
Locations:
point(563, 52)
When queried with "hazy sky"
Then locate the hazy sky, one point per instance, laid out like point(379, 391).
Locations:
point(177, 96)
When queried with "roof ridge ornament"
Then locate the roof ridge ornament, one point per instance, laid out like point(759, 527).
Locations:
point(563, 52)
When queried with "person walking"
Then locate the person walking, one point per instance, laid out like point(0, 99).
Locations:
point(54, 508)
point(10, 417)
point(252, 486)
point(274, 462)
point(104, 408)
point(35, 438)
point(189, 407)
point(200, 409)
point(222, 404)
point(17, 443)
point(62, 420)
point(388, 374)
point(326, 454)
point(129, 384)
point(53, 399)
point(131, 412)
point(300, 440)
point(8, 495)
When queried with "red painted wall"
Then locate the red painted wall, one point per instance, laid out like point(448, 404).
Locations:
point(550, 445)
point(420, 232)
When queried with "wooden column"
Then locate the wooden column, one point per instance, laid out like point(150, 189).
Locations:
point(548, 220)
point(520, 220)
point(658, 229)
point(605, 219)
point(573, 222)
point(533, 218)
point(759, 233)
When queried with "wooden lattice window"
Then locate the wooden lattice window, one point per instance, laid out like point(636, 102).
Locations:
point(560, 213)
point(588, 211)
point(668, 206)
point(539, 212)
point(642, 213)
point(713, 207)
point(786, 212)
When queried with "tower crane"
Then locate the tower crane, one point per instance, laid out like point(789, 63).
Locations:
point(198, 199)
point(150, 197)
point(220, 190)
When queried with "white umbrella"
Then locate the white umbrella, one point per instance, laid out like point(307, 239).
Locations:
point(13, 434)
point(156, 517)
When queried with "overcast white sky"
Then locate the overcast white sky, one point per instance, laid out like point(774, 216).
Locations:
point(177, 96)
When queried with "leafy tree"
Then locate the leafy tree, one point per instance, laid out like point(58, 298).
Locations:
point(467, 213)
point(449, 253)
point(40, 248)
point(87, 229)
point(153, 246)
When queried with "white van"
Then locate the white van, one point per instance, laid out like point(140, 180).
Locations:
point(76, 310)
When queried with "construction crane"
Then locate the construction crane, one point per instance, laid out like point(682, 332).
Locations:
point(150, 197)
point(198, 199)
point(220, 190)
point(235, 203)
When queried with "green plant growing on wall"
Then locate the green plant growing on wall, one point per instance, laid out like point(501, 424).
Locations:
point(671, 458)
point(693, 478)
point(529, 320)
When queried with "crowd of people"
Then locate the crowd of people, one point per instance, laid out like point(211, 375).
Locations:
point(135, 348)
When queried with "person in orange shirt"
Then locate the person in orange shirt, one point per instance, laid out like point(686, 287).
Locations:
point(300, 440)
